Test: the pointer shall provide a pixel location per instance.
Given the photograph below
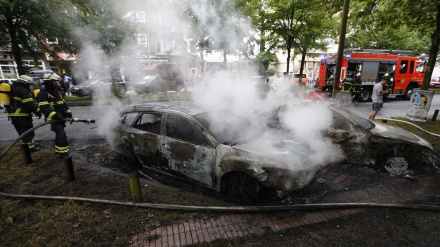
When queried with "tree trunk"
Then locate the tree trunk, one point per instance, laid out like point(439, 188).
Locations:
point(289, 48)
point(16, 52)
point(435, 43)
point(301, 68)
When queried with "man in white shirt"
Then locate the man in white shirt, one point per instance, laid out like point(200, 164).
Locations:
point(377, 97)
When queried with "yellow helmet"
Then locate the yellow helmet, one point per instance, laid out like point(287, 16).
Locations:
point(52, 77)
point(26, 79)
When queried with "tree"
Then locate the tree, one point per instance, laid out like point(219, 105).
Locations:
point(300, 25)
point(37, 27)
point(215, 25)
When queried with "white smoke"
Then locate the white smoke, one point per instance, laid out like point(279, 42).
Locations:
point(302, 124)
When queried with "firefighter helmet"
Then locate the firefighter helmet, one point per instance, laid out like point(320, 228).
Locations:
point(52, 77)
point(25, 79)
point(358, 74)
point(387, 75)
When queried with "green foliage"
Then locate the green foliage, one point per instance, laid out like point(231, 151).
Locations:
point(37, 27)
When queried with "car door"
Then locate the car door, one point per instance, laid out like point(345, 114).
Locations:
point(145, 135)
point(186, 150)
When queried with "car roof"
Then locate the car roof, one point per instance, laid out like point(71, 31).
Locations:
point(185, 107)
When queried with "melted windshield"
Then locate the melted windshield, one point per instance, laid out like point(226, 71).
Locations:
point(363, 123)
point(227, 128)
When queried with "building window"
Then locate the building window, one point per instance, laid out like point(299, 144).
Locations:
point(142, 39)
point(165, 45)
point(136, 16)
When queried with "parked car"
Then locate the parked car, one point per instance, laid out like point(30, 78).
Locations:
point(103, 84)
point(160, 77)
point(373, 143)
point(38, 75)
point(186, 142)
point(294, 78)
point(435, 82)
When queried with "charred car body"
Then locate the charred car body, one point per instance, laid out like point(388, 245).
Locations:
point(184, 142)
point(366, 142)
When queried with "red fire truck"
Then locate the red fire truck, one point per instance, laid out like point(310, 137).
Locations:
point(405, 70)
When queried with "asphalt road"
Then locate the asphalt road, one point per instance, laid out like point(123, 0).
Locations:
point(392, 108)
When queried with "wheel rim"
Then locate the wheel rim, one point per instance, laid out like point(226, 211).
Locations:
point(241, 188)
point(365, 95)
point(409, 92)
point(396, 166)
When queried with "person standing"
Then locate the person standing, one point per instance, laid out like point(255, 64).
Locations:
point(21, 107)
point(377, 97)
point(67, 82)
point(54, 107)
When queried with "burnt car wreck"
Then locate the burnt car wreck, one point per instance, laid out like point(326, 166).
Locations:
point(184, 143)
point(214, 150)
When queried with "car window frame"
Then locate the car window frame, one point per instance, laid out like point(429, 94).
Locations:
point(165, 119)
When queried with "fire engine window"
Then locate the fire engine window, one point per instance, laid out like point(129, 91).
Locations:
point(403, 66)
point(149, 122)
point(128, 118)
point(411, 67)
point(420, 67)
point(182, 129)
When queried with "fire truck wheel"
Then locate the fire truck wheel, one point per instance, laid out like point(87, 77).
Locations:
point(365, 95)
point(408, 93)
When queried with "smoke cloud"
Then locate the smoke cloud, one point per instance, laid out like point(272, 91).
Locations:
point(297, 138)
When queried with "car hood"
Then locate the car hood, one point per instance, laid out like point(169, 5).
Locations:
point(398, 134)
point(287, 151)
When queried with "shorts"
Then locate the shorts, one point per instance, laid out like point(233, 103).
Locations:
point(377, 106)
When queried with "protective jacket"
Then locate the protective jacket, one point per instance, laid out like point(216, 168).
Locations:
point(22, 102)
point(53, 105)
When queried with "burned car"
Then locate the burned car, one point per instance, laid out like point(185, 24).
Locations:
point(366, 142)
point(185, 142)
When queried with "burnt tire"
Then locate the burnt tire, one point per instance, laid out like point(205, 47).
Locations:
point(396, 166)
point(130, 156)
point(240, 188)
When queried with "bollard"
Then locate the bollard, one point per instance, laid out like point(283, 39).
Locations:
point(135, 187)
point(68, 165)
point(27, 154)
point(434, 117)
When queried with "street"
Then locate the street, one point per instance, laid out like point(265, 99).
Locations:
point(392, 108)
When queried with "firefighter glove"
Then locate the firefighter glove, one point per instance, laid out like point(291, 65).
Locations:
point(38, 114)
point(57, 117)
point(69, 115)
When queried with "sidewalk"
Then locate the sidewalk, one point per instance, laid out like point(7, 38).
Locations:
point(234, 225)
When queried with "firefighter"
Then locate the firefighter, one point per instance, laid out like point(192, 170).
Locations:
point(54, 107)
point(357, 85)
point(22, 105)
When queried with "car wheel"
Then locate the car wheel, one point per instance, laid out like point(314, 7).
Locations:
point(396, 166)
point(240, 188)
point(130, 156)
point(365, 95)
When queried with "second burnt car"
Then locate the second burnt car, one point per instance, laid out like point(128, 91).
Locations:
point(186, 142)
point(370, 143)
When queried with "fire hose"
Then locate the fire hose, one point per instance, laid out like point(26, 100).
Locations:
point(405, 122)
point(228, 208)
point(203, 208)
point(71, 120)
